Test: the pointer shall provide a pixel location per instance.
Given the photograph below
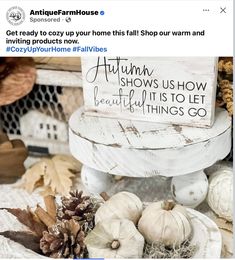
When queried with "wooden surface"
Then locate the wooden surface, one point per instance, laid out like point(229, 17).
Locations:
point(179, 90)
point(141, 149)
point(59, 78)
point(58, 63)
point(206, 235)
point(59, 71)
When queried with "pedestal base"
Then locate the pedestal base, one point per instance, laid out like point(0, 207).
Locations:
point(95, 181)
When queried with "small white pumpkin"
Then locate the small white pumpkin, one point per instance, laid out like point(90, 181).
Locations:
point(191, 189)
point(220, 193)
point(165, 222)
point(121, 205)
point(116, 238)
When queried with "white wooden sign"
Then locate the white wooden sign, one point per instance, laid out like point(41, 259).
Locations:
point(177, 90)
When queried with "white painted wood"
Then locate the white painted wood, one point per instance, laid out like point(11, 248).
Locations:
point(144, 135)
point(141, 149)
point(95, 181)
point(190, 190)
point(206, 234)
point(157, 89)
point(59, 78)
point(227, 248)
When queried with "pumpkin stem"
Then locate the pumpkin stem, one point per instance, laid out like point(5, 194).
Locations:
point(115, 244)
point(168, 205)
point(105, 196)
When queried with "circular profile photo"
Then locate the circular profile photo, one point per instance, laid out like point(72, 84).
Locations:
point(15, 15)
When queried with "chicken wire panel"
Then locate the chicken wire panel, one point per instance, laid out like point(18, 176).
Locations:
point(42, 98)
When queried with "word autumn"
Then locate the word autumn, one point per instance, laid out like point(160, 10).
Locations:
point(107, 70)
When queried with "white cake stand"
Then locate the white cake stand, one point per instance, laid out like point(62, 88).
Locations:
point(144, 149)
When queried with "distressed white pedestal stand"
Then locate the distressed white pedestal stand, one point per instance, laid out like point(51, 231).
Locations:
point(143, 149)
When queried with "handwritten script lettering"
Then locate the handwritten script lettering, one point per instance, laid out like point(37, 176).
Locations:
point(171, 90)
point(115, 66)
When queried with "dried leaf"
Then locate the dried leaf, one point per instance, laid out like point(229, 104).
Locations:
point(28, 218)
point(72, 164)
point(56, 174)
point(47, 191)
point(27, 239)
point(33, 175)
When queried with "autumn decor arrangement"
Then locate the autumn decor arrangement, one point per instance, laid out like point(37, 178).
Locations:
point(121, 226)
point(57, 231)
point(190, 212)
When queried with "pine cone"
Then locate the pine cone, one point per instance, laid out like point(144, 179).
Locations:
point(225, 66)
point(80, 208)
point(227, 95)
point(64, 240)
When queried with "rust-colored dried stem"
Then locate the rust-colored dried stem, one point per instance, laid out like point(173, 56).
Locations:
point(105, 196)
point(44, 216)
point(49, 201)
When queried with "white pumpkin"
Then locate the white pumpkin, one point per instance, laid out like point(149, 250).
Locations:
point(165, 222)
point(220, 193)
point(191, 189)
point(121, 205)
point(116, 238)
